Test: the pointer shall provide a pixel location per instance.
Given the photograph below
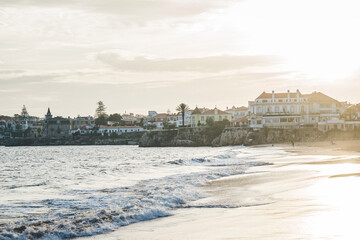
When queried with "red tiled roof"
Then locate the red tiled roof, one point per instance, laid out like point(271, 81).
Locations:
point(320, 97)
point(242, 108)
point(116, 127)
point(277, 95)
point(196, 111)
point(243, 119)
point(212, 112)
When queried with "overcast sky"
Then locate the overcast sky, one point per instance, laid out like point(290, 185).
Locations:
point(140, 55)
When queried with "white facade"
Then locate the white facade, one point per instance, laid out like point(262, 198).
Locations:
point(157, 119)
point(237, 112)
point(293, 109)
point(108, 130)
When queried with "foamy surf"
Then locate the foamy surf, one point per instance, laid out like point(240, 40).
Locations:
point(92, 210)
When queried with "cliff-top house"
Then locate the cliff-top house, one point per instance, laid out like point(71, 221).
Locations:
point(199, 117)
point(294, 109)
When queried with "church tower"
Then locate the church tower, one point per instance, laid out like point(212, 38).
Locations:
point(48, 115)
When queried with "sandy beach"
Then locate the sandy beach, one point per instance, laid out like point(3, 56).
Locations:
point(312, 195)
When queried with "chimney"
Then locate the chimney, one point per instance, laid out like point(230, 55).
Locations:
point(297, 94)
point(288, 95)
point(273, 96)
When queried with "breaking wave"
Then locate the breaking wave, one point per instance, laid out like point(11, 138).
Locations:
point(86, 212)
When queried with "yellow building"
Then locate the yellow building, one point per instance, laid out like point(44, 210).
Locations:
point(199, 116)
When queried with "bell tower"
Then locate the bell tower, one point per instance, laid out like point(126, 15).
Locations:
point(48, 115)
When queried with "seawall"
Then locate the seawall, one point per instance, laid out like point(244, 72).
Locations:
point(124, 139)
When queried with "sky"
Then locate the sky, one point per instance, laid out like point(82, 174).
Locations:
point(140, 55)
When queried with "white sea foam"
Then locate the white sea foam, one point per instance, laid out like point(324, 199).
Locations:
point(96, 195)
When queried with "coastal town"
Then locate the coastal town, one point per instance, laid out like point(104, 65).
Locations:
point(278, 110)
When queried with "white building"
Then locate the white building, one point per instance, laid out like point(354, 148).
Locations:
point(108, 130)
point(156, 120)
point(293, 109)
point(237, 112)
point(79, 122)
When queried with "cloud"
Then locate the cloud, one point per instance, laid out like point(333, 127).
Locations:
point(200, 64)
point(11, 71)
point(134, 9)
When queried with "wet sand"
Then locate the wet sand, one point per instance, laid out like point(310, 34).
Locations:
point(314, 194)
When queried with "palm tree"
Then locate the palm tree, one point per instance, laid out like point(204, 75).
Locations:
point(182, 108)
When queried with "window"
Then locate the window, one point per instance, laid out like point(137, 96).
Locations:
point(220, 118)
point(202, 118)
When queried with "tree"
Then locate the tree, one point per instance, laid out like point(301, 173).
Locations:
point(27, 132)
point(214, 129)
point(141, 123)
point(115, 118)
point(168, 125)
point(18, 127)
point(38, 131)
point(100, 110)
point(101, 120)
point(182, 108)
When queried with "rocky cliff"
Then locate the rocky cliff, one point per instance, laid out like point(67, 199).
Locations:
point(230, 136)
point(235, 136)
point(172, 138)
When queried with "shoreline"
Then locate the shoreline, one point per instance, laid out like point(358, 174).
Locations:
point(310, 197)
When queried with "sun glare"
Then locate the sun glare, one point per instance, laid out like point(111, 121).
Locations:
point(317, 38)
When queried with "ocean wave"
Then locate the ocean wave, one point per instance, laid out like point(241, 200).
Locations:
point(100, 211)
point(87, 211)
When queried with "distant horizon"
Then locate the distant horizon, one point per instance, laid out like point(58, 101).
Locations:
point(154, 108)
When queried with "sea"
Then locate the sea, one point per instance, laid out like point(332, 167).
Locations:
point(58, 192)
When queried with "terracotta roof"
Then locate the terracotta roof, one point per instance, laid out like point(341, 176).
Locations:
point(196, 111)
point(238, 109)
point(243, 119)
point(241, 108)
point(212, 112)
point(277, 95)
point(116, 127)
point(320, 97)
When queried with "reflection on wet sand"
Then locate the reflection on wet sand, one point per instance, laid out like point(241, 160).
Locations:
point(312, 193)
